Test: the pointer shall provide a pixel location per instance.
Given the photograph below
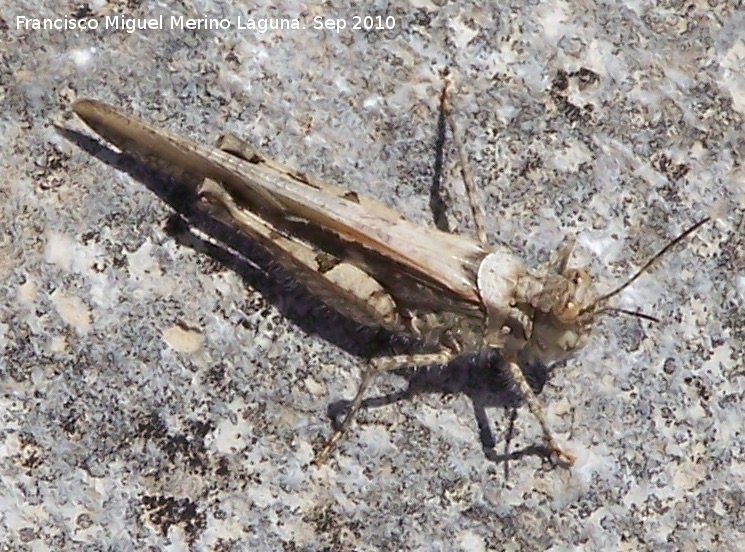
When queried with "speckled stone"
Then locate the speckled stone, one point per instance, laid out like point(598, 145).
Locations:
point(161, 392)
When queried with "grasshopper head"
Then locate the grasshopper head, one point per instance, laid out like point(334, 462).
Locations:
point(560, 323)
point(565, 308)
point(548, 313)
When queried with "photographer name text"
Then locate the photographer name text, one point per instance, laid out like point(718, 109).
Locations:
point(182, 23)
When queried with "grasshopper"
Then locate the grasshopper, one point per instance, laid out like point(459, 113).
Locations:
point(455, 295)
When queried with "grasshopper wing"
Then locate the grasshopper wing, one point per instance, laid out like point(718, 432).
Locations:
point(424, 269)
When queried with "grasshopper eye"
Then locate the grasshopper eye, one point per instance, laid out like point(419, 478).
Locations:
point(568, 312)
point(578, 277)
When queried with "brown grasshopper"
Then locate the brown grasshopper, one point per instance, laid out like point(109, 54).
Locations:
point(455, 295)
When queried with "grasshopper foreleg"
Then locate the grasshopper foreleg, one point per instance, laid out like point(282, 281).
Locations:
point(534, 405)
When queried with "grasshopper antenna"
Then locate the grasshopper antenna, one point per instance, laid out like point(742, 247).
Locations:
point(637, 314)
point(604, 298)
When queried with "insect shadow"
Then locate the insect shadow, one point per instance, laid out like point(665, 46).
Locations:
point(482, 377)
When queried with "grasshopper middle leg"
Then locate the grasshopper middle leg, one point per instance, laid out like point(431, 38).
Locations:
point(376, 367)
